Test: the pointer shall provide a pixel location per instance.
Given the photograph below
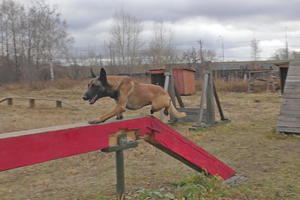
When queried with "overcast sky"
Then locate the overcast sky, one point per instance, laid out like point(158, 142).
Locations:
point(235, 22)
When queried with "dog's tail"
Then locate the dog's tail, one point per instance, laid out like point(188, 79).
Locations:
point(174, 112)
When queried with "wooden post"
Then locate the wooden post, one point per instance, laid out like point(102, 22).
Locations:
point(120, 187)
point(166, 87)
point(171, 91)
point(31, 103)
point(171, 88)
point(210, 99)
point(125, 139)
point(203, 95)
point(58, 104)
point(218, 103)
point(10, 101)
point(178, 97)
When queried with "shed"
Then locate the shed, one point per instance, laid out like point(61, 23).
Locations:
point(157, 76)
point(289, 118)
point(184, 81)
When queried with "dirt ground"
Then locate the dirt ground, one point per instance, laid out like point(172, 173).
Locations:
point(248, 144)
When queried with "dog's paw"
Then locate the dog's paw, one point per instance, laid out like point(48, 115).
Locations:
point(119, 117)
point(95, 122)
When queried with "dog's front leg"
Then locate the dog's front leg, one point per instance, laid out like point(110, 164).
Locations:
point(115, 112)
point(119, 116)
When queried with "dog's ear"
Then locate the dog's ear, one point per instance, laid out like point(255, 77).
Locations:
point(102, 77)
point(92, 73)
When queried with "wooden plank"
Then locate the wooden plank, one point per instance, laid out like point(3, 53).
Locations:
point(35, 146)
point(288, 129)
point(286, 115)
point(291, 95)
point(170, 140)
point(291, 109)
point(292, 88)
point(291, 101)
point(289, 118)
point(2, 100)
point(24, 148)
point(286, 119)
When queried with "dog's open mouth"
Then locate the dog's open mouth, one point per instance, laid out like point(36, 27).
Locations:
point(93, 100)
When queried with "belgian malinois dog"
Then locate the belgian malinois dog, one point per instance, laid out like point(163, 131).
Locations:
point(128, 94)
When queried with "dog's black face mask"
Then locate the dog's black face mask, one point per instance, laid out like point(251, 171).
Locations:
point(97, 88)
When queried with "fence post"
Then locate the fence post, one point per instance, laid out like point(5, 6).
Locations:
point(58, 104)
point(10, 101)
point(31, 103)
point(210, 98)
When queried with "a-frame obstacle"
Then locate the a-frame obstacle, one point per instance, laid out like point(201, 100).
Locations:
point(289, 117)
point(204, 115)
point(25, 148)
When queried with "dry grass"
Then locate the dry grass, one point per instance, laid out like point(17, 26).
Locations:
point(248, 144)
point(41, 85)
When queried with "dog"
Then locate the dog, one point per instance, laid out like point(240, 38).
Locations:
point(129, 94)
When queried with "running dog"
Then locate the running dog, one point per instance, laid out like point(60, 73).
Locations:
point(128, 94)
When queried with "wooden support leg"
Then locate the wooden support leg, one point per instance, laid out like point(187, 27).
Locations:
point(210, 101)
point(31, 103)
point(120, 187)
point(166, 86)
point(10, 101)
point(125, 139)
point(58, 104)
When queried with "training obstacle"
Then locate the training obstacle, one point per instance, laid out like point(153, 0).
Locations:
point(32, 101)
point(25, 148)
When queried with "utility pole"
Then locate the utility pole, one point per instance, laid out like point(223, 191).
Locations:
point(286, 45)
point(222, 47)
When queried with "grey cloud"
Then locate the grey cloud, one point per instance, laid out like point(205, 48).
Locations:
point(85, 13)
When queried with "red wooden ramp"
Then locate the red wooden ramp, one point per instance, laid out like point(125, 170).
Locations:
point(39, 145)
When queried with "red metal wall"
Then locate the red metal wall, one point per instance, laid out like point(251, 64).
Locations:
point(184, 81)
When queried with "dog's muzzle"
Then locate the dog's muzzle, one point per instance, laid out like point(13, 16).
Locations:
point(91, 100)
point(85, 98)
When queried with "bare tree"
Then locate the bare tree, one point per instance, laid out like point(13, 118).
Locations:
point(192, 56)
point(161, 47)
point(209, 55)
point(125, 42)
point(31, 36)
point(283, 54)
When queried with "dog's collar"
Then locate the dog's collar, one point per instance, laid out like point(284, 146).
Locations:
point(114, 95)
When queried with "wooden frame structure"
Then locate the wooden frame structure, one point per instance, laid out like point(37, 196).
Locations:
point(202, 114)
point(289, 117)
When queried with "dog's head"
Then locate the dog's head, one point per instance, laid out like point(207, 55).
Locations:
point(97, 87)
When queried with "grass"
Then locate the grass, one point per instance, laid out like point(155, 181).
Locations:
point(248, 144)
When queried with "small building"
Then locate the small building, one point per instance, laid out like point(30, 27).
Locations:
point(184, 79)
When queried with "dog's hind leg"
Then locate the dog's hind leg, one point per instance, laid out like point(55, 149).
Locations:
point(160, 103)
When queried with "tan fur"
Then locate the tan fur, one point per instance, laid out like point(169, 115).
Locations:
point(134, 95)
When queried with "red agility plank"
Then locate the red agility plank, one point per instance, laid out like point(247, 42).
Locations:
point(180, 147)
point(35, 146)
